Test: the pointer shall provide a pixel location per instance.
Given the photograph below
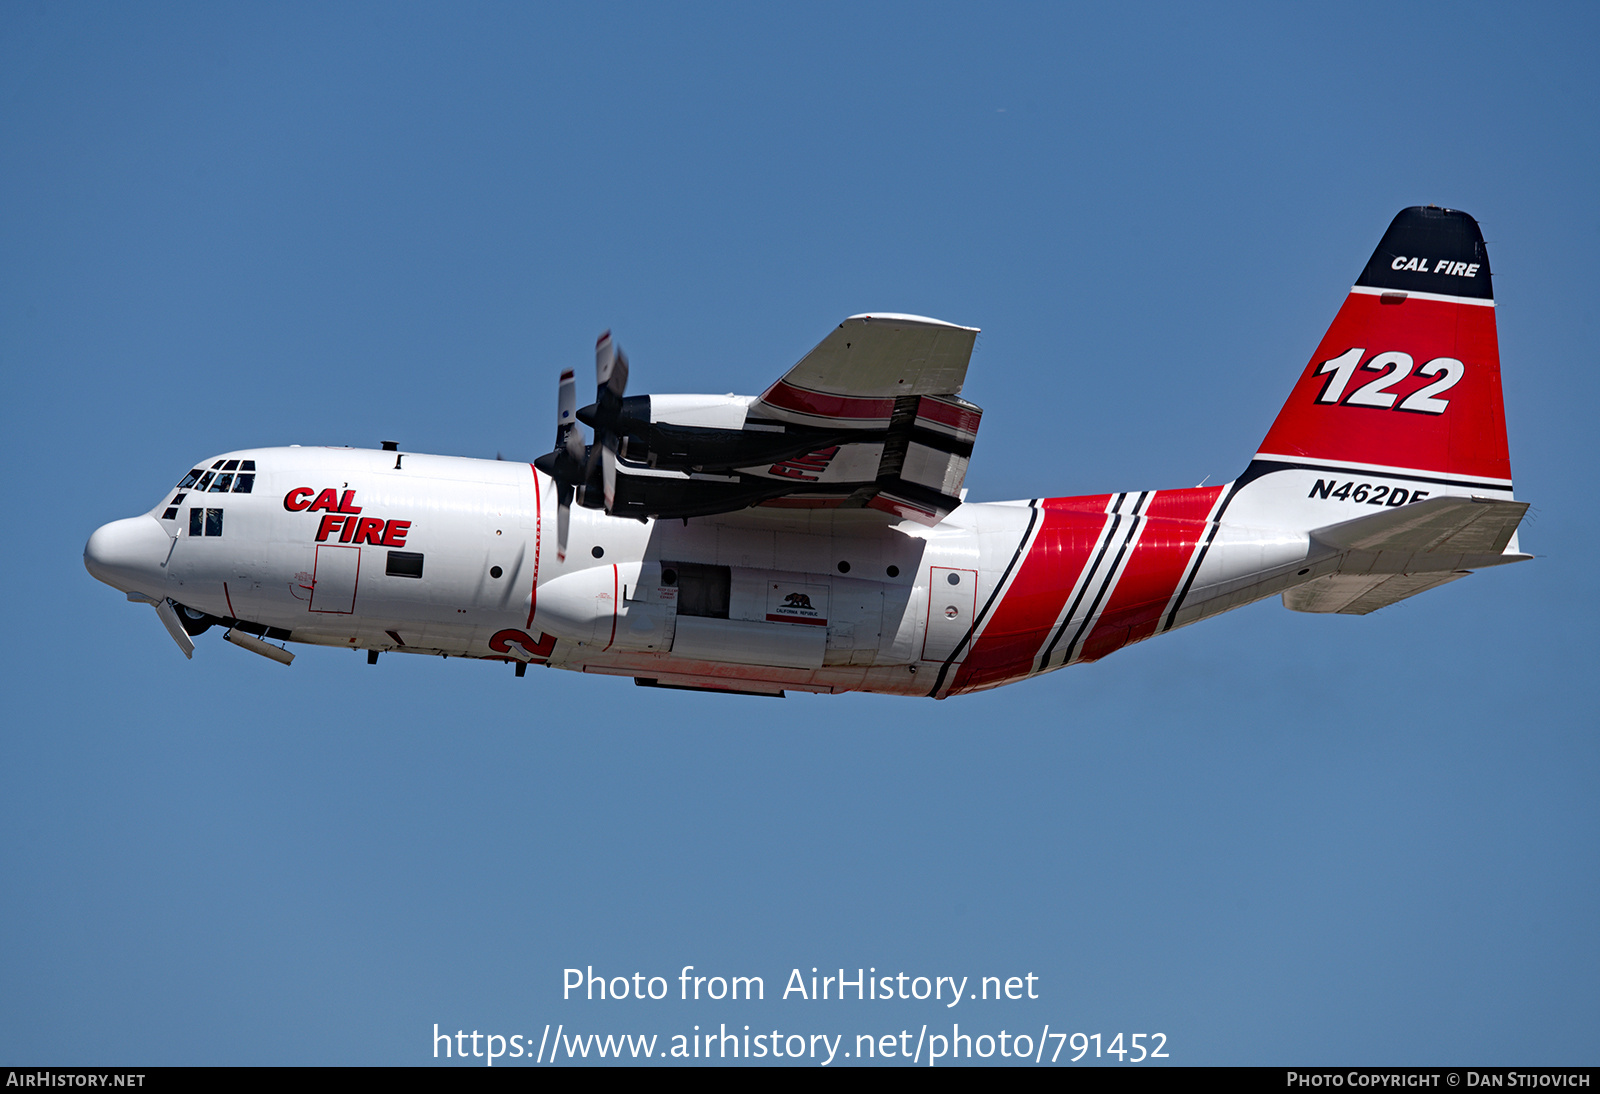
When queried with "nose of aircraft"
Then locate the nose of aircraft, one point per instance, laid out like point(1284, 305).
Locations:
point(127, 554)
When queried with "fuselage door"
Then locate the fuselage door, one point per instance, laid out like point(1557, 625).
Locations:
point(856, 624)
point(333, 580)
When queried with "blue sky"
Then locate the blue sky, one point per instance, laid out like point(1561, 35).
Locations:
point(1274, 837)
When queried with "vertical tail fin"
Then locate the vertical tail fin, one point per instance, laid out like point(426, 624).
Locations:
point(1400, 405)
point(1408, 376)
point(1401, 401)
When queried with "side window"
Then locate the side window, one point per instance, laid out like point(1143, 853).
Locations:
point(404, 564)
point(224, 481)
point(206, 522)
point(244, 482)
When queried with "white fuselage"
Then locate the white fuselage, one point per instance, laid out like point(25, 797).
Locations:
point(485, 531)
point(405, 552)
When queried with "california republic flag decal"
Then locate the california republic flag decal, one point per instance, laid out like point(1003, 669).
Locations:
point(794, 603)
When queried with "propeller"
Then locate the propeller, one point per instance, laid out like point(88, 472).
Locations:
point(611, 380)
point(569, 465)
point(567, 468)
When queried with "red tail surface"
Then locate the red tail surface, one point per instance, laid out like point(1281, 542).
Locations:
point(1408, 376)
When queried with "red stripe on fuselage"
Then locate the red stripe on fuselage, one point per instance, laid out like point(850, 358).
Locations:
point(1174, 525)
point(1021, 622)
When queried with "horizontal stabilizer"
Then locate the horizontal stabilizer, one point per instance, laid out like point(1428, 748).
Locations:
point(1358, 594)
point(1449, 525)
point(1397, 553)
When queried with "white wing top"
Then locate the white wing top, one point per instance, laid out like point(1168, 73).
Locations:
point(868, 361)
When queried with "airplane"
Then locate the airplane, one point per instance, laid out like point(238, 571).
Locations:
point(815, 538)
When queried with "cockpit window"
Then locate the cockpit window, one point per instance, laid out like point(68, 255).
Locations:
point(201, 479)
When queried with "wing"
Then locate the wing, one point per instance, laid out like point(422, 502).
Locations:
point(872, 418)
point(856, 373)
point(891, 383)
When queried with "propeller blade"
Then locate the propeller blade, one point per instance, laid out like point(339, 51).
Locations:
point(610, 366)
point(611, 381)
point(566, 409)
point(563, 519)
point(605, 356)
point(616, 380)
point(566, 464)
